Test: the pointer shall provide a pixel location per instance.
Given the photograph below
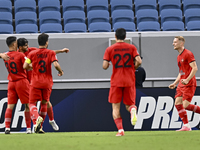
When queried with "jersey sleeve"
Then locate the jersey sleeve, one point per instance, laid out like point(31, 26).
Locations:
point(191, 57)
point(135, 52)
point(53, 56)
point(106, 55)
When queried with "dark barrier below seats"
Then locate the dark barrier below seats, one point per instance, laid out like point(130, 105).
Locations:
point(89, 110)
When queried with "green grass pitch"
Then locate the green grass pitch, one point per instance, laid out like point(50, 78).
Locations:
point(133, 140)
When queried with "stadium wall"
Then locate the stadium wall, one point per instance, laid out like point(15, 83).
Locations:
point(83, 64)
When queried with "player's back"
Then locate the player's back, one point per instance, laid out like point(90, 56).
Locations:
point(122, 57)
point(41, 61)
point(15, 66)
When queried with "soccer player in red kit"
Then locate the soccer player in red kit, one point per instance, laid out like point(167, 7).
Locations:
point(17, 78)
point(41, 82)
point(24, 48)
point(186, 81)
point(123, 56)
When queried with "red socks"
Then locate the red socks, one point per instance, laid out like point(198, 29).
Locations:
point(182, 113)
point(50, 113)
point(8, 117)
point(118, 123)
point(33, 111)
point(27, 118)
point(43, 111)
point(132, 106)
point(193, 108)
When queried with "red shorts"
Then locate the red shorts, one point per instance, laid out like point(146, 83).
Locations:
point(39, 94)
point(185, 92)
point(18, 90)
point(127, 93)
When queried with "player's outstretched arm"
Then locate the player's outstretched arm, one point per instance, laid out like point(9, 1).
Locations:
point(64, 50)
point(58, 68)
point(4, 56)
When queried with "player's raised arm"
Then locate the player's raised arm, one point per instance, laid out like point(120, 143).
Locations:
point(64, 50)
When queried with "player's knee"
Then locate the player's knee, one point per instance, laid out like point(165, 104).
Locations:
point(26, 107)
point(44, 102)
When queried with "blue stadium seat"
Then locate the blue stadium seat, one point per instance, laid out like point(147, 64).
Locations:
point(146, 15)
point(169, 4)
point(5, 18)
point(190, 4)
point(48, 5)
point(193, 26)
point(25, 17)
point(98, 16)
point(25, 5)
point(26, 28)
point(97, 5)
point(51, 28)
point(192, 15)
point(54, 17)
point(99, 27)
point(145, 4)
point(75, 27)
point(128, 26)
point(171, 15)
point(122, 16)
point(5, 6)
point(148, 26)
point(121, 4)
point(173, 26)
point(69, 5)
point(75, 16)
point(6, 29)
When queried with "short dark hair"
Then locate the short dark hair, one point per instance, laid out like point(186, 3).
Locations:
point(120, 33)
point(42, 39)
point(10, 40)
point(22, 42)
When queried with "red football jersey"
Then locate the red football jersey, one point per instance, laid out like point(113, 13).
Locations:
point(15, 66)
point(29, 72)
point(41, 61)
point(30, 49)
point(122, 56)
point(184, 59)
